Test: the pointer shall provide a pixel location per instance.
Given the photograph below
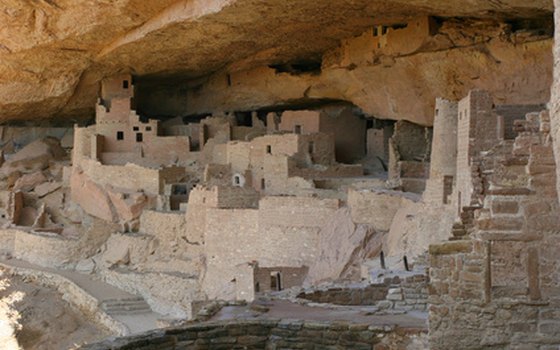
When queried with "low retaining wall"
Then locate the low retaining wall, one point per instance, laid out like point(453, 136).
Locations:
point(72, 293)
point(403, 294)
point(271, 334)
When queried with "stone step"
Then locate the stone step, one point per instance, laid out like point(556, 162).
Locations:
point(515, 161)
point(460, 238)
point(500, 223)
point(125, 306)
point(459, 234)
point(509, 236)
point(510, 191)
point(128, 312)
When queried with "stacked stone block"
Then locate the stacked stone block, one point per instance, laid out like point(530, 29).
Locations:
point(400, 294)
point(268, 334)
point(499, 289)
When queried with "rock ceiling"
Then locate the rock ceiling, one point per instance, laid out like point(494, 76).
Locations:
point(53, 53)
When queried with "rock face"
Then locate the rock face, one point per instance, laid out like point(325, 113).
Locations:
point(338, 253)
point(460, 55)
point(53, 53)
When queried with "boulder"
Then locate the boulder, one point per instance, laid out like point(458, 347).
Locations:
point(28, 182)
point(91, 197)
point(47, 188)
point(34, 157)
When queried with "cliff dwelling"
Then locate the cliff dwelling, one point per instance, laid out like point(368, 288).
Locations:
point(235, 174)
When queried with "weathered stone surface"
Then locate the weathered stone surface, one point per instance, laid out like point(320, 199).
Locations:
point(28, 182)
point(52, 64)
point(47, 188)
point(451, 248)
point(34, 157)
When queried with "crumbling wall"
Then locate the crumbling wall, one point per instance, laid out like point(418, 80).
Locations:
point(411, 141)
point(477, 131)
point(505, 267)
point(409, 157)
point(393, 293)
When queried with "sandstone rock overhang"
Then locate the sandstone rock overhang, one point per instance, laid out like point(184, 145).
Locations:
point(53, 53)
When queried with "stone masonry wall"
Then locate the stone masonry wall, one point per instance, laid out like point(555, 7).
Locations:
point(404, 294)
point(270, 334)
point(498, 287)
point(555, 93)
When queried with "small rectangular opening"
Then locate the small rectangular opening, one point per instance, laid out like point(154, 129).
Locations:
point(297, 129)
point(447, 188)
point(120, 135)
point(275, 281)
point(135, 128)
point(311, 147)
point(148, 128)
point(139, 137)
point(125, 84)
point(268, 149)
point(263, 184)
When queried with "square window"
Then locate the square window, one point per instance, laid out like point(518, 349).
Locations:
point(297, 129)
point(120, 135)
point(148, 128)
point(135, 128)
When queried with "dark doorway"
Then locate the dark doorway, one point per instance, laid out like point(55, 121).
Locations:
point(275, 281)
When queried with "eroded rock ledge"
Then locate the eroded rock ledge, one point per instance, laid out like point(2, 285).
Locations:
point(53, 54)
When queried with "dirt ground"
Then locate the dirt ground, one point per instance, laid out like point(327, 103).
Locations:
point(47, 321)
